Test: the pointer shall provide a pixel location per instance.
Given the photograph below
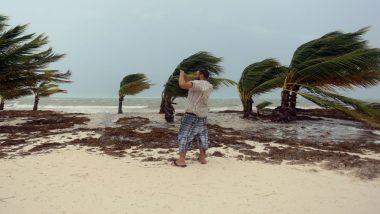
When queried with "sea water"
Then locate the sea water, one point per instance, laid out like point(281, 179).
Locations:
point(130, 104)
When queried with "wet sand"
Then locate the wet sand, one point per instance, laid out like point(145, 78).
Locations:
point(109, 163)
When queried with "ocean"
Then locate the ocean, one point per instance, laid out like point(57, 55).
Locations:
point(131, 104)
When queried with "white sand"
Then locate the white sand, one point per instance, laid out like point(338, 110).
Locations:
point(75, 181)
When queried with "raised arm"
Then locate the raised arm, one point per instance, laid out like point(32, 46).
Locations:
point(183, 82)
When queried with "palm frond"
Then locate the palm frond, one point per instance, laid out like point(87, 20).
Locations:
point(261, 77)
point(192, 64)
point(133, 84)
point(22, 58)
point(336, 60)
point(219, 82)
point(14, 93)
point(45, 89)
point(354, 64)
point(51, 91)
point(355, 108)
point(202, 59)
point(263, 105)
point(330, 45)
point(54, 76)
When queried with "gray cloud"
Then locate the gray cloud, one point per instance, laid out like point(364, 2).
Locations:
point(105, 40)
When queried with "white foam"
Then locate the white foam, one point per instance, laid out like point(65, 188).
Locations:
point(219, 109)
point(82, 108)
point(299, 106)
point(99, 105)
point(23, 106)
point(224, 108)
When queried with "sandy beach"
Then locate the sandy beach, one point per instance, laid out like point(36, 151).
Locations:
point(109, 163)
point(99, 103)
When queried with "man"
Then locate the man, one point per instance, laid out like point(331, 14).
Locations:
point(194, 121)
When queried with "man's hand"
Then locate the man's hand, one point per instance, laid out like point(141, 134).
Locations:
point(182, 81)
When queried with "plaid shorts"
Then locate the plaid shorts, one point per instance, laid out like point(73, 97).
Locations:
point(192, 126)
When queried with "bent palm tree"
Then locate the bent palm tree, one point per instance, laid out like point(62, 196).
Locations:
point(259, 78)
point(190, 65)
point(336, 60)
point(44, 89)
point(131, 85)
point(20, 57)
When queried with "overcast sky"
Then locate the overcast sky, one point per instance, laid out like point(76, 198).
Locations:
point(106, 40)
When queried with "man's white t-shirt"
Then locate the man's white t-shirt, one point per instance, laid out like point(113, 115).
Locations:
point(197, 98)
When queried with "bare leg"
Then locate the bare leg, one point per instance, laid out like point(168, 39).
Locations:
point(202, 156)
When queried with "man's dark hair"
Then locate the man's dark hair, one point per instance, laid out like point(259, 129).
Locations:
point(205, 73)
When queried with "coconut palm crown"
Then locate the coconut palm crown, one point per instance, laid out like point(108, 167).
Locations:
point(130, 85)
point(259, 78)
point(337, 60)
point(190, 65)
point(21, 55)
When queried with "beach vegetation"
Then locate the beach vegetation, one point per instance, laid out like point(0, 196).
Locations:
point(22, 55)
point(320, 67)
point(259, 78)
point(130, 85)
point(190, 65)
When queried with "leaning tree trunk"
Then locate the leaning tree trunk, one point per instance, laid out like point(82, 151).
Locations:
point(36, 100)
point(168, 109)
point(284, 109)
point(293, 102)
point(247, 107)
point(162, 106)
point(121, 99)
point(2, 103)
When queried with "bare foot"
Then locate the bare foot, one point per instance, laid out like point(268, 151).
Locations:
point(202, 160)
point(179, 163)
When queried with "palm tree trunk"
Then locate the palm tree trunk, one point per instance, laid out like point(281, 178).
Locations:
point(284, 109)
point(36, 100)
point(121, 99)
point(2, 103)
point(169, 109)
point(162, 106)
point(247, 107)
point(293, 102)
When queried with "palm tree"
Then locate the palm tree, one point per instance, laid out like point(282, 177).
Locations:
point(20, 57)
point(259, 78)
point(191, 64)
point(131, 85)
point(336, 60)
point(44, 89)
